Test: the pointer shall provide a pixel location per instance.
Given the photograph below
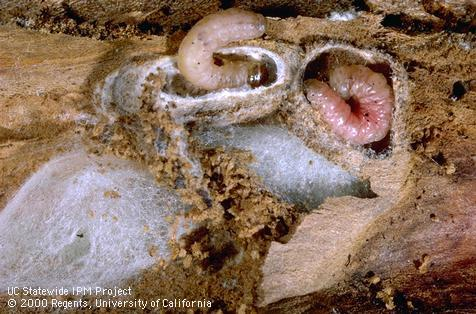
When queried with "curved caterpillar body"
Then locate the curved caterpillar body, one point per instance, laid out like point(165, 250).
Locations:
point(195, 55)
point(358, 107)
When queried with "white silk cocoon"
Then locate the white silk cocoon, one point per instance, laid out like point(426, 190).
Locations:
point(85, 220)
point(288, 168)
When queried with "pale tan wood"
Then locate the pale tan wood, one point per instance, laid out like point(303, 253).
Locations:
point(46, 84)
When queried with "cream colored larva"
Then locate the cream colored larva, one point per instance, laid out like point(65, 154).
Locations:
point(195, 55)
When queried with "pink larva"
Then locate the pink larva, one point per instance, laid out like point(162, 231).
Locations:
point(368, 116)
point(195, 55)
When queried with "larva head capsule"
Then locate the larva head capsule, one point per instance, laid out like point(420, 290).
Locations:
point(258, 74)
